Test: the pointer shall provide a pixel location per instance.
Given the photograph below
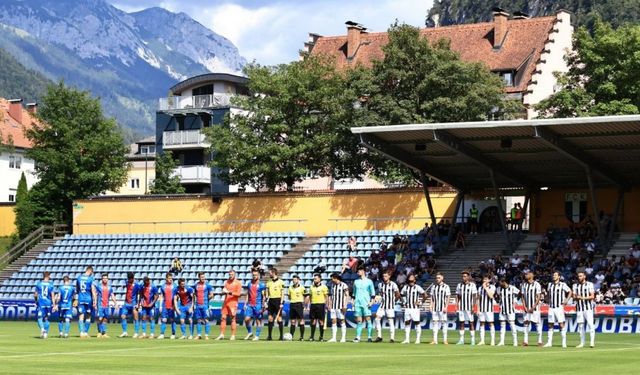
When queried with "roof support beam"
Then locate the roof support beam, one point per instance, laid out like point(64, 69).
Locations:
point(585, 160)
point(501, 213)
point(456, 145)
point(374, 143)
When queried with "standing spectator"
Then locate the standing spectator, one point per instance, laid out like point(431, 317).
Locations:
point(425, 230)
point(352, 244)
point(513, 217)
point(460, 242)
point(520, 216)
point(429, 247)
point(473, 219)
point(176, 266)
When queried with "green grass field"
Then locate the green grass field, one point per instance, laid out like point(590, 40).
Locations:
point(22, 352)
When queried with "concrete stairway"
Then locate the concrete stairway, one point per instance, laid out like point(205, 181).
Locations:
point(622, 244)
point(296, 253)
point(16, 265)
point(479, 247)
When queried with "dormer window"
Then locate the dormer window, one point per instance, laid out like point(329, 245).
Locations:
point(508, 77)
point(148, 150)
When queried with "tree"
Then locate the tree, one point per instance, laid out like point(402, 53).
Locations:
point(166, 182)
point(295, 123)
point(603, 76)
point(24, 221)
point(77, 152)
point(420, 82)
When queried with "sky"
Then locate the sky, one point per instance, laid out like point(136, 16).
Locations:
point(272, 32)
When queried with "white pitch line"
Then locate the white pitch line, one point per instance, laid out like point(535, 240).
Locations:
point(328, 355)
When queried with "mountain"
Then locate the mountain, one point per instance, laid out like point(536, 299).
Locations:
point(18, 82)
point(129, 60)
point(453, 12)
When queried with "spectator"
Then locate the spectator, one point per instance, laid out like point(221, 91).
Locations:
point(321, 266)
point(425, 230)
point(460, 242)
point(350, 265)
point(374, 272)
point(176, 266)
point(429, 247)
point(352, 244)
point(515, 261)
point(473, 219)
point(257, 265)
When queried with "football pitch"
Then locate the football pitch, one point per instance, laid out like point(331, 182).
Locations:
point(22, 352)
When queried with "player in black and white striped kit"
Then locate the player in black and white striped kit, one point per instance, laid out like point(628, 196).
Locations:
point(388, 293)
point(506, 295)
point(531, 293)
point(583, 296)
point(467, 296)
point(439, 293)
point(558, 293)
point(411, 300)
point(339, 298)
point(486, 295)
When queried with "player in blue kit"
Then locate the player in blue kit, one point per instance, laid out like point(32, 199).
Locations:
point(86, 301)
point(64, 305)
point(132, 289)
point(104, 294)
point(44, 295)
point(167, 310)
point(183, 303)
point(203, 292)
point(363, 294)
point(253, 307)
point(147, 299)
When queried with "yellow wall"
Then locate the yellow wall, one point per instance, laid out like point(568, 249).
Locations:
point(137, 172)
point(548, 208)
point(148, 215)
point(7, 220)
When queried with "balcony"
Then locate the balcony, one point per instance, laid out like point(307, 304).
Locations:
point(194, 174)
point(184, 139)
point(194, 102)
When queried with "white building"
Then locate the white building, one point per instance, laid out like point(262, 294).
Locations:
point(14, 119)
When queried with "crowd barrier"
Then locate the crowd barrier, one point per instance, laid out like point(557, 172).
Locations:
point(608, 318)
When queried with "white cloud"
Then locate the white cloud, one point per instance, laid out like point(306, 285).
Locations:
point(272, 32)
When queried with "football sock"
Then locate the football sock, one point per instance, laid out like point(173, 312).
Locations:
point(481, 332)
point(503, 331)
point(136, 325)
point(46, 325)
point(444, 328)
point(249, 327)
point(183, 329)
point(67, 326)
point(418, 331)
point(492, 330)
point(302, 331)
point(473, 336)
point(144, 327)
point(514, 332)
point(436, 328)
point(223, 326)
point(462, 334)
point(592, 335)
point(550, 334)
point(173, 327)
point(80, 325)
point(334, 331)
point(258, 330)
point(280, 328)
point(234, 327)
point(563, 334)
point(407, 331)
point(123, 323)
point(207, 327)
point(379, 327)
point(270, 327)
point(87, 325)
point(344, 330)
point(292, 329)
point(60, 327)
point(191, 328)
point(313, 331)
point(152, 326)
point(369, 328)
point(526, 333)
point(358, 330)
point(322, 331)
point(198, 327)
point(539, 329)
point(392, 328)
point(163, 327)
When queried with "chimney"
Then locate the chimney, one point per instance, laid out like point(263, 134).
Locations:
point(520, 16)
point(32, 108)
point(354, 31)
point(500, 17)
point(15, 109)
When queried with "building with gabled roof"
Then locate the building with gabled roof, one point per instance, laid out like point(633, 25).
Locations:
point(14, 121)
point(524, 51)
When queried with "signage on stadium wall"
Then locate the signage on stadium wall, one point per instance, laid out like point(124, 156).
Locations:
point(608, 318)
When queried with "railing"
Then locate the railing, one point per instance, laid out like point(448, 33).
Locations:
point(45, 231)
point(194, 174)
point(179, 226)
point(184, 138)
point(195, 101)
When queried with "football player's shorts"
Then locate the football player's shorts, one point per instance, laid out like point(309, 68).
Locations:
point(362, 311)
point(389, 313)
point(317, 311)
point(337, 314)
point(127, 310)
point(148, 311)
point(253, 312)
point(229, 310)
point(66, 313)
point(85, 308)
point(412, 315)
point(439, 316)
point(510, 317)
point(296, 311)
point(273, 307)
point(465, 316)
point(556, 315)
point(44, 312)
point(184, 313)
point(104, 312)
point(486, 317)
point(168, 313)
point(201, 313)
point(533, 317)
point(585, 317)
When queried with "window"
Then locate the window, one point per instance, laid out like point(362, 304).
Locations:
point(135, 183)
point(145, 150)
point(12, 198)
point(507, 77)
point(15, 162)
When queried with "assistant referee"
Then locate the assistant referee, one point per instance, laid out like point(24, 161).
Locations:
point(274, 306)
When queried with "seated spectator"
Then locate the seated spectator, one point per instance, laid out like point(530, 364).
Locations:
point(321, 266)
point(634, 251)
point(614, 296)
point(383, 246)
point(176, 266)
point(374, 272)
point(401, 279)
point(350, 265)
point(515, 261)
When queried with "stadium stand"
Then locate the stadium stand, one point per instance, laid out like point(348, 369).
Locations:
point(151, 255)
point(334, 250)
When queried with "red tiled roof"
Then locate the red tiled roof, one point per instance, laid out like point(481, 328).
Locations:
point(12, 129)
point(525, 41)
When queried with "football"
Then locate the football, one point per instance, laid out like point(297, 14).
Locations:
point(287, 337)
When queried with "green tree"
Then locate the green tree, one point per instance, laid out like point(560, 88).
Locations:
point(77, 152)
point(24, 221)
point(420, 82)
point(166, 182)
point(603, 76)
point(296, 124)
